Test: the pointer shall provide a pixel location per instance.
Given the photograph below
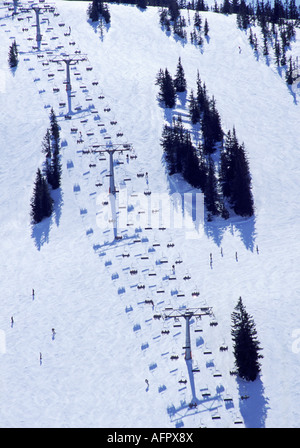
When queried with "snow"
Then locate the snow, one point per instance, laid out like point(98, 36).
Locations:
point(92, 372)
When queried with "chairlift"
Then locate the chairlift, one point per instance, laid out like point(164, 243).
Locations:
point(178, 260)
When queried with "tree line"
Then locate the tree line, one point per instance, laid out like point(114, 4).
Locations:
point(218, 165)
point(49, 178)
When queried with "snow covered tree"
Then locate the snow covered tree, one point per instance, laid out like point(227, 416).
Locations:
point(246, 346)
point(41, 202)
point(179, 80)
point(13, 55)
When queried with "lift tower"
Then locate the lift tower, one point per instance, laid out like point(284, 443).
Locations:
point(69, 59)
point(111, 148)
point(187, 314)
point(38, 9)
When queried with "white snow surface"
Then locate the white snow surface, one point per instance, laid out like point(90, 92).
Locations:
point(92, 373)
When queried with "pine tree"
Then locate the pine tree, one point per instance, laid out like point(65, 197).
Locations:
point(97, 9)
point(46, 149)
point(92, 11)
point(54, 177)
point(210, 193)
point(54, 125)
point(41, 203)
point(142, 4)
point(13, 55)
point(193, 109)
point(277, 52)
point(246, 346)
point(241, 198)
point(289, 73)
point(235, 176)
point(167, 93)
point(179, 80)
point(206, 28)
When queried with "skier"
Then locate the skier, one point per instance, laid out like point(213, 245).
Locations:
point(12, 321)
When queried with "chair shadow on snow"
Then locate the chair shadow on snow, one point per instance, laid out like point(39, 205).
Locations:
point(41, 231)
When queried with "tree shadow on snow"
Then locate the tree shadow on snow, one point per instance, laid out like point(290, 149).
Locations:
point(40, 232)
point(253, 409)
point(215, 228)
point(245, 228)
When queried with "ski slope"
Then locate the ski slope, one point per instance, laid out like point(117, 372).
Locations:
point(107, 342)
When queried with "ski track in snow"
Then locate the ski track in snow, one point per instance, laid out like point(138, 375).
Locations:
point(107, 342)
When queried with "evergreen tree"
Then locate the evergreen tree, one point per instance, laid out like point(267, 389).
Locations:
point(179, 80)
point(41, 202)
point(197, 21)
point(54, 177)
point(167, 93)
point(54, 125)
point(235, 176)
point(92, 11)
point(13, 55)
point(46, 149)
point(266, 49)
point(96, 9)
point(246, 346)
point(206, 28)
point(277, 52)
point(194, 110)
point(289, 73)
point(211, 126)
point(142, 4)
point(242, 199)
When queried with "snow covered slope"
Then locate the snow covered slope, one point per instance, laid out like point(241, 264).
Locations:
point(92, 372)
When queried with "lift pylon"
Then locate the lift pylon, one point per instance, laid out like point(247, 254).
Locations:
point(187, 314)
